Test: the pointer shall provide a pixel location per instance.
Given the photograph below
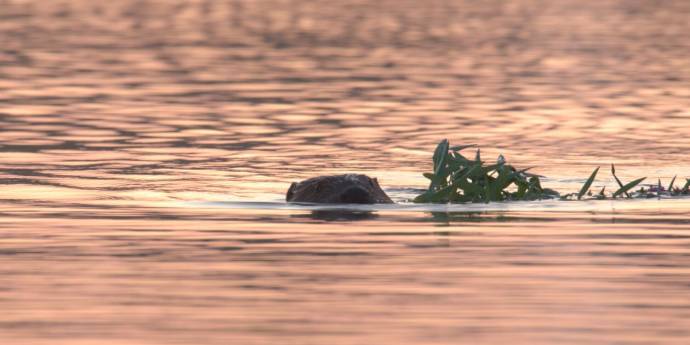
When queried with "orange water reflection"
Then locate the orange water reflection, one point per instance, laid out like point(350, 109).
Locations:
point(145, 147)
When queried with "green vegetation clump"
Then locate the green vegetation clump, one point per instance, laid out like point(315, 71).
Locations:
point(456, 178)
point(627, 189)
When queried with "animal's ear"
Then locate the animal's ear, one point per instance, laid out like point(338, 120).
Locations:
point(291, 191)
point(375, 182)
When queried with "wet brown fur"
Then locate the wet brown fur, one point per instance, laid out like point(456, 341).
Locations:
point(337, 189)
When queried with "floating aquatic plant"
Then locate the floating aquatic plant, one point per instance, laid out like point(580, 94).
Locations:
point(456, 178)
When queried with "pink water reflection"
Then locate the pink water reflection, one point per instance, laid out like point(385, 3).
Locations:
point(119, 121)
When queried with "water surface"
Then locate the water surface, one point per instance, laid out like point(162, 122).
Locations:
point(145, 148)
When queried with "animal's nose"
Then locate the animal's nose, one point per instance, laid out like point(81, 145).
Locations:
point(356, 195)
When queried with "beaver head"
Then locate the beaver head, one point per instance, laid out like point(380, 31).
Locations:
point(338, 189)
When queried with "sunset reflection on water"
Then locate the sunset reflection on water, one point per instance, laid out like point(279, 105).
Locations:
point(146, 146)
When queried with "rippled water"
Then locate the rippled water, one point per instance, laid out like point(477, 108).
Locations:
point(145, 148)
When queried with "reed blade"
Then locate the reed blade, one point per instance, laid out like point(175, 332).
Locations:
point(620, 184)
point(670, 186)
point(627, 187)
point(587, 184)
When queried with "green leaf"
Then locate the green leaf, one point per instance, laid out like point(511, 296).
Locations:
point(587, 184)
point(489, 168)
point(453, 164)
point(469, 189)
point(438, 196)
point(522, 189)
point(461, 147)
point(620, 184)
point(500, 160)
point(466, 173)
point(440, 155)
point(492, 188)
point(460, 158)
point(687, 185)
point(421, 198)
point(535, 183)
point(670, 186)
point(505, 178)
point(628, 186)
point(524, 171)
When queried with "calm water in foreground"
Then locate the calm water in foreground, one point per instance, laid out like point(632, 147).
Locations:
point(145, 147)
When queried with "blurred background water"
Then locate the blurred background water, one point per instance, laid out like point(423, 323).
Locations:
point(146, 146)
